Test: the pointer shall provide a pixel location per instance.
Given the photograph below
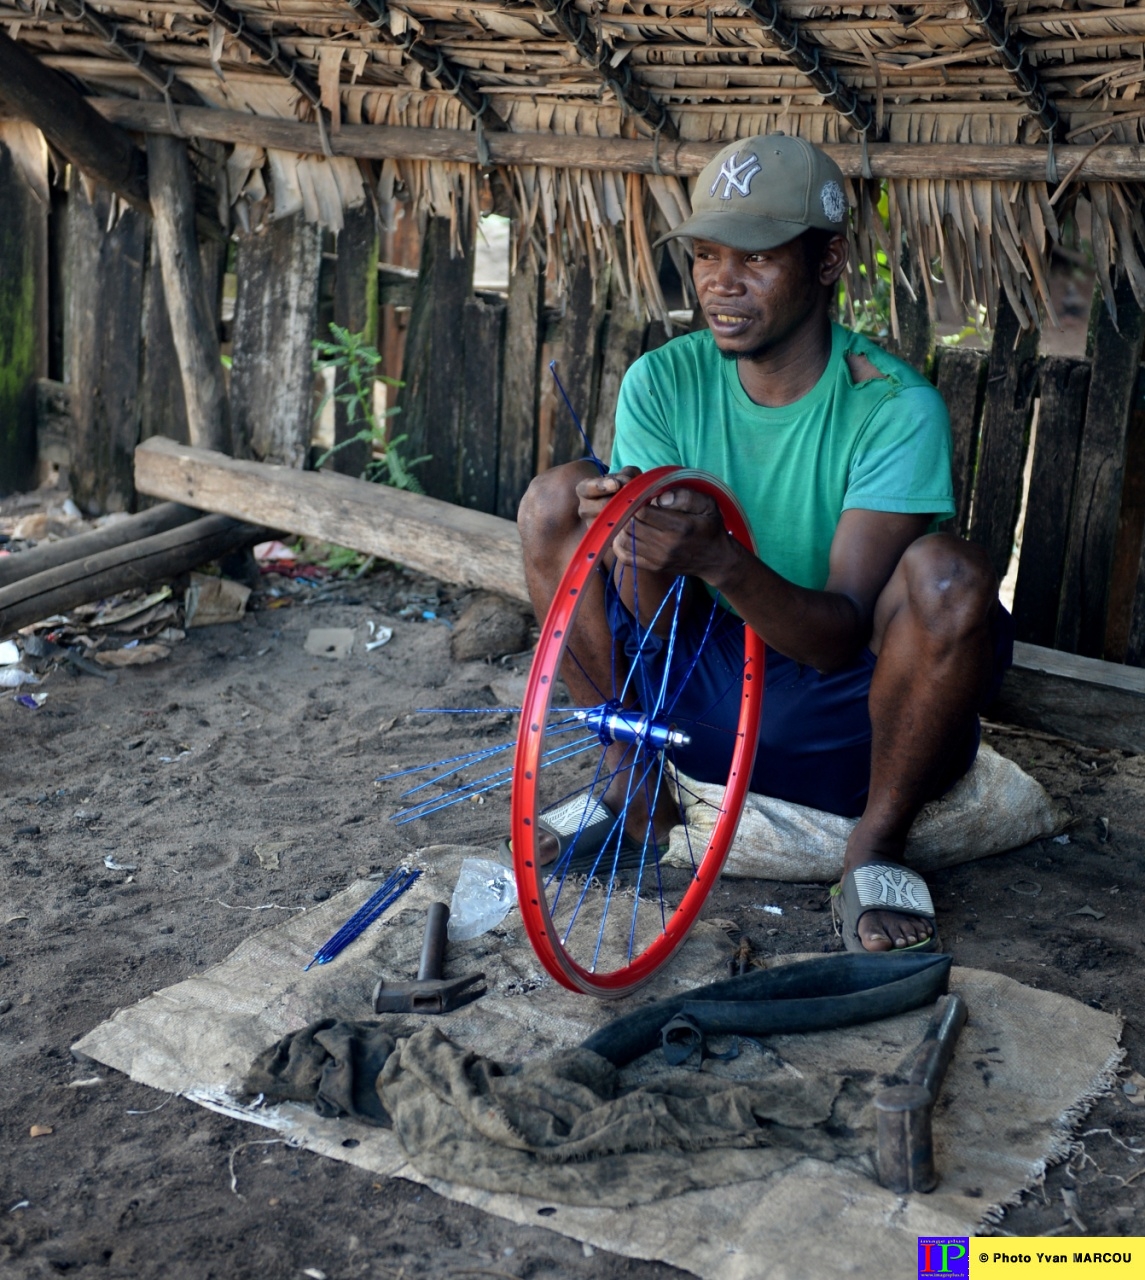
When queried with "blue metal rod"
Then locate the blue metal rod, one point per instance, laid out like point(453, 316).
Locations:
point(365, 916)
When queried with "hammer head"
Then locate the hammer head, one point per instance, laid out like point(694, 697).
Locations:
point(431, 995)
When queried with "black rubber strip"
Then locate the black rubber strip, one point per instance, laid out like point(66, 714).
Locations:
point(809, 995)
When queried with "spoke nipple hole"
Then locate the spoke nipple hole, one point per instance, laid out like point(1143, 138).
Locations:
point(536, 728)
point(528, 822)
point(544, 679)
point(557, 635)
point(534, 901)
point(529, 774)
point(528, 864)
point(572, 591)
point(591, 555)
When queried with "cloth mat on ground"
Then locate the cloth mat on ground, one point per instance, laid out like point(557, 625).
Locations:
point(1028, 1064)
point(995, 807)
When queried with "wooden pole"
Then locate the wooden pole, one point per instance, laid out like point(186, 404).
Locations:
point(276, 312)
point(430, 398)
point(1117, 349)
point(23, 323)
point(355, 309)
point(1112, 162)
point(452, 543)
point(104, 272)
point(1010, 383)
point(71, 124)
point(49, 555)
point(524, 318)
point(135, 564)
point(193, 326)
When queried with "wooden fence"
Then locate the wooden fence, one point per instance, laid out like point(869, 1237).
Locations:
point(1065, 435)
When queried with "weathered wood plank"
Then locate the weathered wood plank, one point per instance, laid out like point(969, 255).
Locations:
point(1101, 465)
point(162, 408)
point(355, 309)
point(430, 399)
point(578, 364)
point(520, 386)
point(48, 555)
point(23, 323)
point(276, 310)
point(479, 426)
point(71, 124)
point(1010, 383)
point(1135, 632)
point(450, 542)
point(1100, 704)
point(623, 341)
point(194, 325)
point(944, 161)
point(102, 346)
point(122, 568)
point(1130, 540)
point(960, 376)
point(1064, 384)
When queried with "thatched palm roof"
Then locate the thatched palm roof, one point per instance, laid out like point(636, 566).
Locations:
point(1048, 76)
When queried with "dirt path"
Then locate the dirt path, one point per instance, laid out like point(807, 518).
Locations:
point(187, 769)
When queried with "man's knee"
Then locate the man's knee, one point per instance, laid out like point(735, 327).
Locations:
point(951, 587)
point(548, 511)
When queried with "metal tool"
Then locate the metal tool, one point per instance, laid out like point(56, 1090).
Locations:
point(906, 1145)
point(429, 992)
point(396, 883)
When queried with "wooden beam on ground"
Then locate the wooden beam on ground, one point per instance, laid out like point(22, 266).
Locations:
point(452, 543)
point(276, 312)
point(134, 564)
point(1100, 470)
point(1010, 385)
point(1100, 704)
point(193, 325)
point(1110, 162)
point(71, 124)
point(49, 555)
point(1061, 412)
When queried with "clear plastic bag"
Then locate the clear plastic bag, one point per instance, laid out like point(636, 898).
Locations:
point(484, 895)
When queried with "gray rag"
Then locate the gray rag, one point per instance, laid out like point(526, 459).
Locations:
point(560, 1126)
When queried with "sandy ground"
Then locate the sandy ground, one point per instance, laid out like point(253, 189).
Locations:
point(239, 740)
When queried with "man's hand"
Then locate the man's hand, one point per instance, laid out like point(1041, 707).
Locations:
point(681, 531)
point(593, 494)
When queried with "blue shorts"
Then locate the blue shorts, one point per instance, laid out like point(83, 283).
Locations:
point(815, 733)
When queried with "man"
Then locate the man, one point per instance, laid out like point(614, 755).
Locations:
point(884, 638)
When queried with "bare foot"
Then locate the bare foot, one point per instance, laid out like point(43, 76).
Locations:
point(883, 930)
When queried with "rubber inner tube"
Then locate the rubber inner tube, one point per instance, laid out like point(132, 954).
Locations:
point(807, 995)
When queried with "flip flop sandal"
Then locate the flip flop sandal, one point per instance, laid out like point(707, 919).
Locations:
point(881, 886)
point(586, 834)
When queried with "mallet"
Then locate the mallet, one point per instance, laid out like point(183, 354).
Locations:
point(906, 1145)
point(429, 992)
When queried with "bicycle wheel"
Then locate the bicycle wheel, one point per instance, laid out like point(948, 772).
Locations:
point(604, 918)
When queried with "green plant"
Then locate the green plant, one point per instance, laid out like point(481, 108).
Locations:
point(355, 363)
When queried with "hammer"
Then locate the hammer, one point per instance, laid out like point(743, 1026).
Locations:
point(429, 992)
point(906, 1147)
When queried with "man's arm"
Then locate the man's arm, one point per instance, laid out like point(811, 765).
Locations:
point(683, 533)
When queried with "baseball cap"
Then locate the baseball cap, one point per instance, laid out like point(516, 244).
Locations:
point(763, 191)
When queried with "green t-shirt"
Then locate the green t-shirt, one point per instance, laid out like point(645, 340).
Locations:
point(880, 445)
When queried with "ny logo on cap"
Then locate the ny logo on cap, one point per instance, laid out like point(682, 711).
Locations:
point(737, 175)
